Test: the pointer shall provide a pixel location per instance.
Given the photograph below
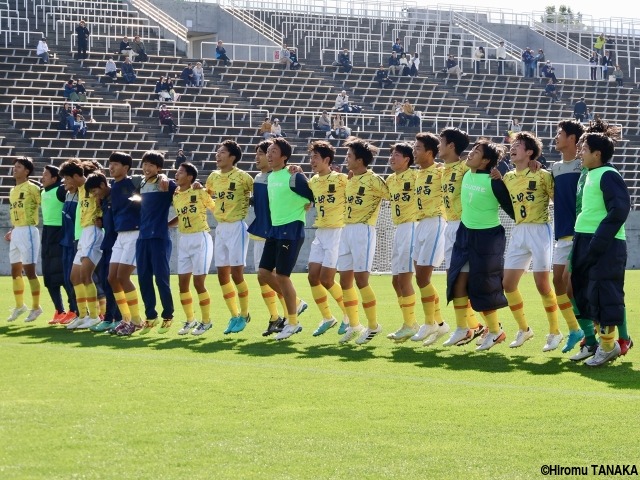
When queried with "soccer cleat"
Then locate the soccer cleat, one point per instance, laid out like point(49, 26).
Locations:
point(76, 323)
point(574, 337)
point(68, 318)
point(441, 332)
point(148, 325)
point(351, 333)
point(289, 330)
point(88, 322)
point(625, 346)
point(585, 352)
point(368, 335)
point(232, 323)
point(103, 326)
point(33, 314)
point(477, 332)
point(424, 332)
point(491, 340)
point(16, 312)
point(302, 306)
point(241, 323)
point(552, 342)
point(324, 326)
point(127, 329)
point(166, 326)
point(521, 337)
point(186, 327)
point(458, 335)
point(274, 326)
point(56, 318)
point(343, 326)
point(201, 328)
point(601, 357)
point(403, 334)
point(115, 325)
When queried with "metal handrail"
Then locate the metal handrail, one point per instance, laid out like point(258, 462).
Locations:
point(263, 49)
point(55, 106)
point(255, 113)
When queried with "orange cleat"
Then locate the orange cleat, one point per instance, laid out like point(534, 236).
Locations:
point(68, 318)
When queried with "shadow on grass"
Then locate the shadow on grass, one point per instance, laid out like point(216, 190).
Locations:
point(344, 353)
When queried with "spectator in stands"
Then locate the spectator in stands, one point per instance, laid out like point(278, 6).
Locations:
point(265, 129)
point(605, 61)
point(549, 72)
point(344, 61)
point(285, 57)
point(405, 70)
point(599, 44)
point(396, 110)
point(478, 58)
point(81, 91)
point(580, 110)
point(324, 123)
point(169, 87)
point(82, 33)
point(293, 55)
point(619, 74)
point(276, 129)
point(382, 77)
point(551, 92)
point(198, 74)
point(408, 117)
point(166, 118)
point(342, 102)
point(609, 46)
point(125, 48)
point(393, 63)
point(128, 73)
point(162, 89)
point(513, 127)
point(527, 62)
point(79, 125)
point(397, 47)
point(180, 159)
point(339, 128)
point(138, 48)
point(188, 77)
point(221, 54)
point(415, 65)
point(42, 50)
point(594, 61)
point(501, 55)
point(110, 69)
point(539, 60)
point(70, 91)
point(453, 67)
point(65, 116)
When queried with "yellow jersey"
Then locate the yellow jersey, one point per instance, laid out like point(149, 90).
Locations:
point(232, 190)
point(451, 185)
point(429, 192)
point(530, 194)
point(191, 207)
point(329, 194)
point(402, 193)
point(363, 195)
point(24, 200)
point(89, 206)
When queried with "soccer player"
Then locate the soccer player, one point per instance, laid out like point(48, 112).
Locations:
point(231, 188)
point(195, 247)
point(89, 253)
point(365, 190)
point(329, 197)
point(599, 255)
point(153, 248)
point(477, 259)
point(70, 231)
point(429, 237)
point(24, 239)
point(453, 142)
point(289, 196)
point(258, 232)
point(404, 211)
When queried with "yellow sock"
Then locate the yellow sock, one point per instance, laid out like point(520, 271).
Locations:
point(409, 310)
point(229, 295)
point(284, 305)
point(243, 298)
point(460, 310)
point(607, 340)
point(491, 317)
point(428, 298)
point(205, 306)
point(472, 321)
point(92, 299)
point(18, 291)
point(123, 306)
point(292, 318)
point(338, 296)
point(566, 309)
point(516, 304)
point(351, 305)
point(81, 299)
point(321, 297)
point(270, 300)
point(437, 314)
point(369, 305)
point(187, 305)
point(34, 285)
point(102, 305)
point(551, 307)
point(132, 301)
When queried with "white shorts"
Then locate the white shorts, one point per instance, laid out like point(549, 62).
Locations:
point(529, 240)
point(429, 244)
point(326, 247)
point(25, 245)
point(449, 239)
point(258, 247)
point(232, 243)
point(124, 250)
point(402, 255)
point(89, 245)
point(357, 248)
point(195, 252)
point(562, 251)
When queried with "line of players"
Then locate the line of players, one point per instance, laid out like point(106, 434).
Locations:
point(428, 207)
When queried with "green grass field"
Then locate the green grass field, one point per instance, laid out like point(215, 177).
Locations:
point(83, 405)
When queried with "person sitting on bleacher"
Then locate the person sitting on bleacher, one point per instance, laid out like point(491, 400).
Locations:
point(70, 91)
point(128, 73)
point(81, 91)
point(138, 48)
point(549, 72)
point(550, 91)
point(285, 57)
point(265, 129)
point(166, 118)
point(382, 77)
point(125, 48)
point(65, 116)
point(342, 102)
point(110, 69)
point(339, 129)
point(79, 125)
point(394, 63)
point(405, 69)
point(293, 55)
point(397, 47)
point(344, 62)
point(198, 75)
point(187, 76)
point(221, 54)
point(42, 50)
point(415, 65)
point(453, 67)
point(408, 116)
point(276, 129)
point(324, 123)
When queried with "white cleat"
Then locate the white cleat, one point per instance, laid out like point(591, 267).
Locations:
point(442, 331)
point(553, 341)
point(458, 335)
point(368, 335)
point(424, 332)
point(351, 334)
point(16, 312)
point(33, 314)
point(521, 337)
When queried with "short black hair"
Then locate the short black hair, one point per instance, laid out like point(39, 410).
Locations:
point(95, 180)
point(600, 142)
point(263, 145)
point(53, 170)
point(191, 170)
point(459, 138)
point(362, 150)
point(26, 162)
point(490, 151)
point(572, 127)
point(284, 146)
point(234, 149)
point(405, 149)
point(324, 148)
point(121, 157)
point(72, 167)
point(429, 141)
point(531, 142)
point(154, 157)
